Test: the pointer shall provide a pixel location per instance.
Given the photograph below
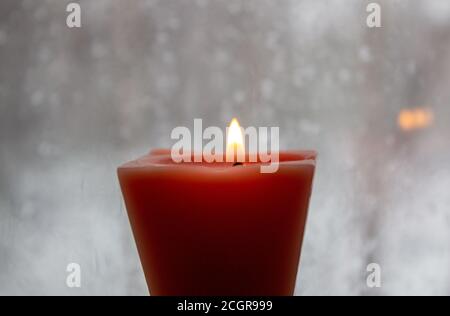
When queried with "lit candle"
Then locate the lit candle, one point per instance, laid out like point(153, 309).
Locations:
point(218, 228)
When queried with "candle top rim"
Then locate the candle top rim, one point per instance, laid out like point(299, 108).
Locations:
point(161, 158)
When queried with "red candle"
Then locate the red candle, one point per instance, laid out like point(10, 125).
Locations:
point(215, 228)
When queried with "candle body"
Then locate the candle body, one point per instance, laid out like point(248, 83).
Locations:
point(218, 229)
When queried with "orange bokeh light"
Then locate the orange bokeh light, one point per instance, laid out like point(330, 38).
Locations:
point(415, 119)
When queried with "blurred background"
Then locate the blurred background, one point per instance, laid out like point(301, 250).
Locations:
point(374, 102)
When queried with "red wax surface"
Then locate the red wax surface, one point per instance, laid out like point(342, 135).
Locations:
point(215, 229)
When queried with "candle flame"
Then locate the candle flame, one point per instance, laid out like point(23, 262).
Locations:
point(235, 142)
